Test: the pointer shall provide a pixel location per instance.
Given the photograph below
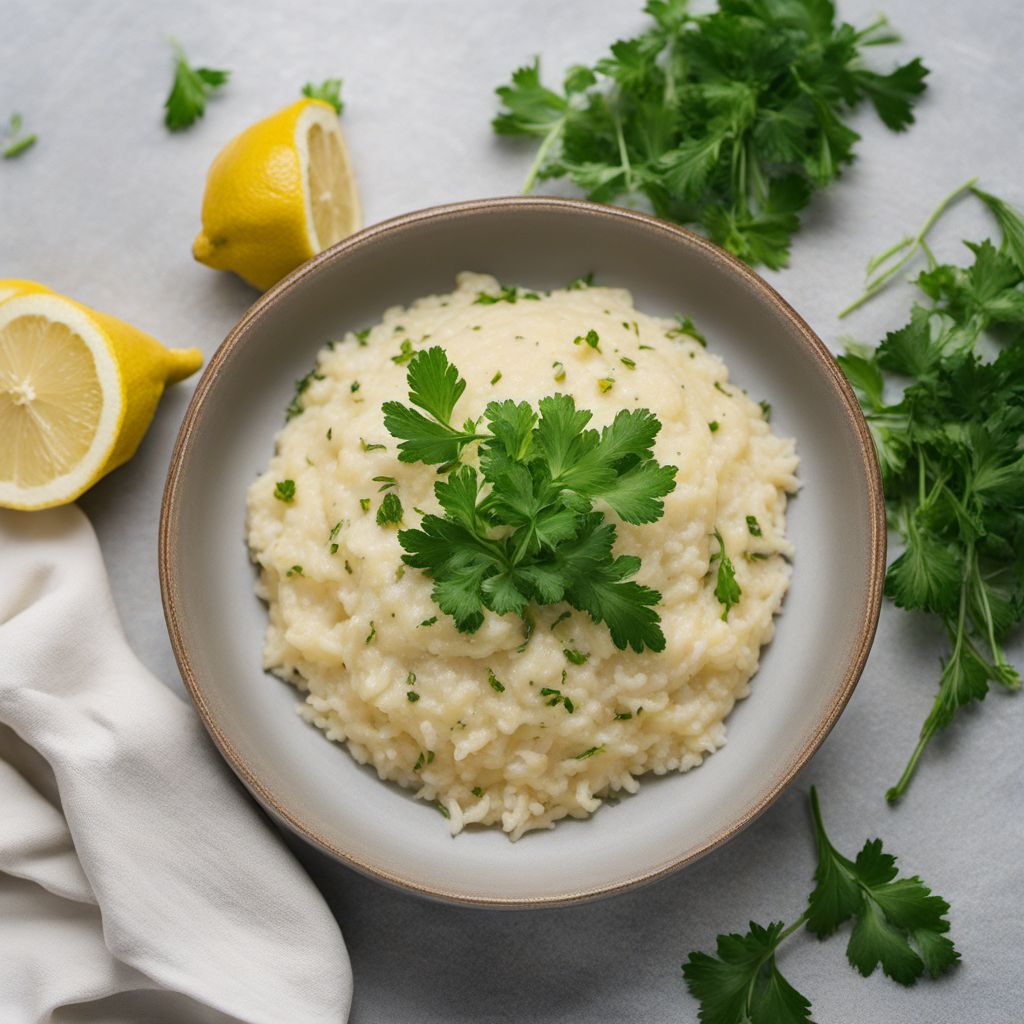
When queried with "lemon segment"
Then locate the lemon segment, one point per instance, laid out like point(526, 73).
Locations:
point(78, 389)
point(277, 194)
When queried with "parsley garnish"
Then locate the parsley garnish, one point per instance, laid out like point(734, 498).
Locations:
point(949, 443)
point(623, 716)
point(354, 386)
point(727, 590)
point(295, 570)
point(328, 90)
point(405, 352)
point(496, 685)
point(14, 143)
point(605, 384)
point(897, 923)
point(367, 446)
point(430, 621)
point(685, 327)
point(627, 362)
point(412, 696)
point(441, 809)
point(533, 536)
point(390, 511)
point(753, 526)
point(766, 410)
point(507, 294)
point(186, 102)
point(496, 378)
point(554, 697)
point(372, 635)
point(364, 504)
point(559, 369)
point(386, 483)
point(295, 406)
point(713, 426)
point(591, 339)
point(284, 490)
point(727, 120)
point(576, 657)
point(589, 753)
point(477, 792)
point(579, 283)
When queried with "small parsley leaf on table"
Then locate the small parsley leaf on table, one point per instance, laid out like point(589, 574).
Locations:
point(898, 924)
point(522, 528)
point(186, 102)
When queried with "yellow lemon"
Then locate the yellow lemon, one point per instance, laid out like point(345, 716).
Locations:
point(77, 391)
point(277, 194)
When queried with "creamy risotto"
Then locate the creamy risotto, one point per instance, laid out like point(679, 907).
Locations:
point(384, 670)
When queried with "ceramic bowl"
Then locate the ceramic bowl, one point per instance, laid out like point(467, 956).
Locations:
point(807, 673)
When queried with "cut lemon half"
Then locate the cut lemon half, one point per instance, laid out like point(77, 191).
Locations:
point(277, 194)
point(78, 390)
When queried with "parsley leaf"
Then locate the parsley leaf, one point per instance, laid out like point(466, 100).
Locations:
point(390, 511)
point(950, 443)
point(727, 590)
point(14, 141)
point(522, 529)
point(329, 91)
point(898, 924)
point(727, 120)
point(186, 102)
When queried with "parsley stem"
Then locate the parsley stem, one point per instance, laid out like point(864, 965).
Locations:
point(931, 724)
point(875, 285)
point(549, 140)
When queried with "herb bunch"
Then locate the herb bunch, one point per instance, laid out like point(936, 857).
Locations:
point(897, 923)
point(523, 530)
point(951, 448)
point(726, 120)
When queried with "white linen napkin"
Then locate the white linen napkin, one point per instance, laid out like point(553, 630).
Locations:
point(138, 882)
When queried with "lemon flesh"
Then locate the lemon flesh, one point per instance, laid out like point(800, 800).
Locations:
point(50, 400)
point(277, 194)
point(78, 389)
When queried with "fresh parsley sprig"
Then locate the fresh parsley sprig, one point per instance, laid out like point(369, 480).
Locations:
point(898, 924)
point(951, 448)
point(186, 102)
point(523, 529)
point(727, 120)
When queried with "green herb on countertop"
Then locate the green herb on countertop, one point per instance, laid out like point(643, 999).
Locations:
point(284, 490)
point(727, 120)
point(390, 511)
point(328, 90)
point(727, 590)
point(14, 141)
point(948, 426)
point(186, 102)
point(533, 536)
point(897, 923)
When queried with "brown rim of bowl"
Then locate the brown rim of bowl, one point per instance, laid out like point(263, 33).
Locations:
point(170, 513)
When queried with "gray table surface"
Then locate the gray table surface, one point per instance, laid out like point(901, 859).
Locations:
point(105, 208)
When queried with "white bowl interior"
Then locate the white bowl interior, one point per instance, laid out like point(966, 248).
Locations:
point(828, 616)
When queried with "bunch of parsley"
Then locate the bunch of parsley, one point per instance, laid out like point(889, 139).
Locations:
point(951, 448)
point(725, 120)
point(898, 923)
point(523, 530)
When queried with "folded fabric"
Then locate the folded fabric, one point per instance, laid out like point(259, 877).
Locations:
point(138, 881)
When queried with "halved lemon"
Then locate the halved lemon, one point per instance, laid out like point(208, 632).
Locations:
point(77, 391)
point(277, 194)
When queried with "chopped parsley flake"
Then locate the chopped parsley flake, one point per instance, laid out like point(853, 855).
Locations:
point(354, 386)
point(372, 635)
point(713, 426)
point(576, 657)
point(559, 371)
point(753, 526)
point(428, 622)
point(477, 792)
point(295, 570)
point(508, 293)
point(766, 410)
point(622, 716)
point(405, 353)
point(580, 282)
point(390, 511)
point(606, 384)
point(364, 504)
point(496, 378)
point(718, 387)
point(412, 696)
point(591, 339)
point(685, 326)
point(627, 362)
point(727, 590)
point(442, 810)
point(284, 490)
point(330, 433)
point(496, 685)
point(589, 753)
point(295, 406)
point(361, 336)
point(371, 447)
point(555, 697)
point(561, 618)
point(386, 483)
